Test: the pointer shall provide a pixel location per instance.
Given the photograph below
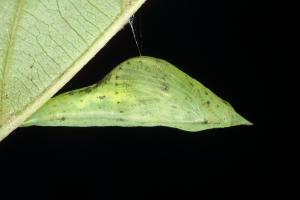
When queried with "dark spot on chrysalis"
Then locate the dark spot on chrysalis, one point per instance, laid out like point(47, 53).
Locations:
point(165, 87)
point(187, 98)
point(133, 105)
point(191, 84)
point(208, 103)
point(147, 69)
point(101, 97)
point(120, 119)
point(63, 119)
point(86, 90)
point(206, 93)
point(204, 121)
point(116, 92)
point(118, 102)
point(225, 102)
point(165, 76)
point(116, 84)
point(31, 66)
point(174, 106)
point(71, 93)
point(104, 80)
point(121, 111)
point(218, 105)
point(117, 77)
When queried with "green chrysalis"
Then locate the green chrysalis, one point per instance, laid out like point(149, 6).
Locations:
point(142, 91)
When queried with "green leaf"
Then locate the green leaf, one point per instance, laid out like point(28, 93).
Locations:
point(141, 91)
point(44, 43)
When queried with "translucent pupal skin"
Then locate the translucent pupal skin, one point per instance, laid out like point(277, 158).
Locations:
point(141, 91)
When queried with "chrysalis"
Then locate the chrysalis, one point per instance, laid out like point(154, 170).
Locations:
point(142, 91)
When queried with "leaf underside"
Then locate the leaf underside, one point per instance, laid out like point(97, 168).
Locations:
point(44, 43)
point(141, 91)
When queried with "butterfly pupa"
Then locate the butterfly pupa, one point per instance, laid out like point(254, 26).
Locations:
point(141, 91)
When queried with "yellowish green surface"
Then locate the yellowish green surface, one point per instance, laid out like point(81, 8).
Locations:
point(141, 91)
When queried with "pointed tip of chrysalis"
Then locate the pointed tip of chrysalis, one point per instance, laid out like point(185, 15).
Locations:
point(248, 123)
point(240, 120)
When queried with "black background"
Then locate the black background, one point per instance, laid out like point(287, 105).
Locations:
point(223, 44)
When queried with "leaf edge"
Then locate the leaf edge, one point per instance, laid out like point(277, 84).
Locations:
point(99, 43)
